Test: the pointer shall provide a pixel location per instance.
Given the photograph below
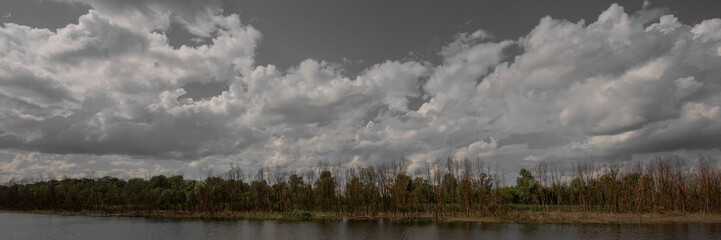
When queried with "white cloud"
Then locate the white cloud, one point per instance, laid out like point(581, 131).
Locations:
point(708, 30)
point(104, 88)
point(107, 87)
point(200, 17)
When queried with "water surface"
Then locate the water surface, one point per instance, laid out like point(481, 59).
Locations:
point(42, 226)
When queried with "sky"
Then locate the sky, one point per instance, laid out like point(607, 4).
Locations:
point(137, 88)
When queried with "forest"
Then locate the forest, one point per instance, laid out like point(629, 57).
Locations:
point(447, 188)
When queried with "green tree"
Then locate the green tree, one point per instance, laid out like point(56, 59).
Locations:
point(526, 186)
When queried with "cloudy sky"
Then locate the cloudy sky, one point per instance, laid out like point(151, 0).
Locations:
point(141, 87)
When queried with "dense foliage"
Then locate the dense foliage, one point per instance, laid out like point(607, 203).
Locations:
point(454, 187)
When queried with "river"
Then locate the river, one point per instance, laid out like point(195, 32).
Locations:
point(42, 226)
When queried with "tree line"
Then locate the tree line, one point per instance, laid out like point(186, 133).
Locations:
point(448, 187)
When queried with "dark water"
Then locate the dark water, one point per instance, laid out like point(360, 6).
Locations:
point(40, 226)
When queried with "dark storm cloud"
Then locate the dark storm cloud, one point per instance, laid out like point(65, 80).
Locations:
point(538, 140)
point(42, 91)
point(146, 133)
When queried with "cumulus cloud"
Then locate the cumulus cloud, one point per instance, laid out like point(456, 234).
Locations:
point(101, 87)
point(199, 17)
point(108, 86)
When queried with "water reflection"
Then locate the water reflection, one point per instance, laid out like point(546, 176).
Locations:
point(38, 226)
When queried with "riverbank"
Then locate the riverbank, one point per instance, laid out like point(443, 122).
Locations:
point(584, 217)
point(509, 217)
